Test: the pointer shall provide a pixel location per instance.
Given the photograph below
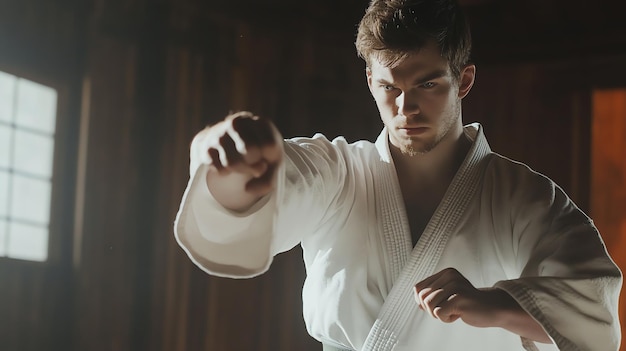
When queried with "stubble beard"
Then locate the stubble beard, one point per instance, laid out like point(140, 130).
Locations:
point(413, 150)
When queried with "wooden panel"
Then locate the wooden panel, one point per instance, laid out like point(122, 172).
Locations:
point(107, 270)
point(608, 186)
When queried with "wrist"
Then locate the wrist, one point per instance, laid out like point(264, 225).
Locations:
point(509, 315)
point(503, 308)
point(229, 190)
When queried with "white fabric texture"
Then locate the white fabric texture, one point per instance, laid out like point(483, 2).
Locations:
point(500, 224)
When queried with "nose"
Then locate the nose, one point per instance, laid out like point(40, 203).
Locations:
point(407, 104)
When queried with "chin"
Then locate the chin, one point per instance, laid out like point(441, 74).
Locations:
point(416, 149)
point(411, 150)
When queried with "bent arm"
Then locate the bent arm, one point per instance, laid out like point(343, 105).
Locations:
point(567, 281)
point(563, 287)
point(449, 296)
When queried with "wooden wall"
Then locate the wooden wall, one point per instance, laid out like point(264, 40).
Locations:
point(144, 77)
point(158, 73)
point(40, 41)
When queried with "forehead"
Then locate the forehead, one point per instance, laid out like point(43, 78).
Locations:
point(421, 62)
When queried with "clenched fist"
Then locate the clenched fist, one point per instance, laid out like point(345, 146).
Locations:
point(449, 296)
point(243, 153)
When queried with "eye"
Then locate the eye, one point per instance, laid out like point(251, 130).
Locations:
point(429, 85)
point(388, 87)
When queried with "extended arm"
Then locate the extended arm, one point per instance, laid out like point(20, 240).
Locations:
point(248, 189)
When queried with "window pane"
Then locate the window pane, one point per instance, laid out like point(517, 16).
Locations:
point(33, 153)
point(27, 128)
point(3, 238)
point(28, 242)
point(36, 106)
point(4, 194)
point(30, 199)
point(7, 96)
point(5, 145)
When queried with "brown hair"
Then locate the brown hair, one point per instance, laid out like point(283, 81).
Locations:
point(392, 29)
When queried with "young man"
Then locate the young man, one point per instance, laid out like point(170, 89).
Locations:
point(423, 240)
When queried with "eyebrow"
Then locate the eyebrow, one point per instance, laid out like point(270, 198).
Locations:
point(430, 76)
point(420, 80)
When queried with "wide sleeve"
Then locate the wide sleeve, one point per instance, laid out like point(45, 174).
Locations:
point(241, 245)
point(567, 281)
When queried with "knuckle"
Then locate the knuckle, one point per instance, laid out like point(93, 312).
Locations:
point(242, 120)
point(239, 114)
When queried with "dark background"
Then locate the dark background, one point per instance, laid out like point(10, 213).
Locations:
point(137, 79)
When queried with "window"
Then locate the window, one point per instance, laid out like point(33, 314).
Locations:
point(27, 128)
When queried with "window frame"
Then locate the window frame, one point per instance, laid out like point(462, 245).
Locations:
point(63, 176)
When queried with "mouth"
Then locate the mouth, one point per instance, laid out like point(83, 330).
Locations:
point(413, 130)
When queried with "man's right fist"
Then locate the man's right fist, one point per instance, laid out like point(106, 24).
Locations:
point(243, 152)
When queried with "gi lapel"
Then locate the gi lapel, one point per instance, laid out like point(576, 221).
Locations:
point(407, 268)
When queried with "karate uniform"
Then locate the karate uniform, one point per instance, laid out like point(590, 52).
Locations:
point(499, 224)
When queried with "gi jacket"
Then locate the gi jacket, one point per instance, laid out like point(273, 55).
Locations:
point(500, 224)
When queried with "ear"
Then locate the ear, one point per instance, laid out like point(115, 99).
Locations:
point(368, 75)
point(466, 80)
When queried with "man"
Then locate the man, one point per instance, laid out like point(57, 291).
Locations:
point(423, 240)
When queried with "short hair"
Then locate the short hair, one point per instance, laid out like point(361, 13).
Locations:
point(391, 30)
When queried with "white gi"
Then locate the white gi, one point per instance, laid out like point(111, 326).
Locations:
point(499, 224)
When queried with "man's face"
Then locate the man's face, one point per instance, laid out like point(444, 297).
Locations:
point(419, 100)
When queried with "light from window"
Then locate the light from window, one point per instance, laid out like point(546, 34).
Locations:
point(27, 125)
